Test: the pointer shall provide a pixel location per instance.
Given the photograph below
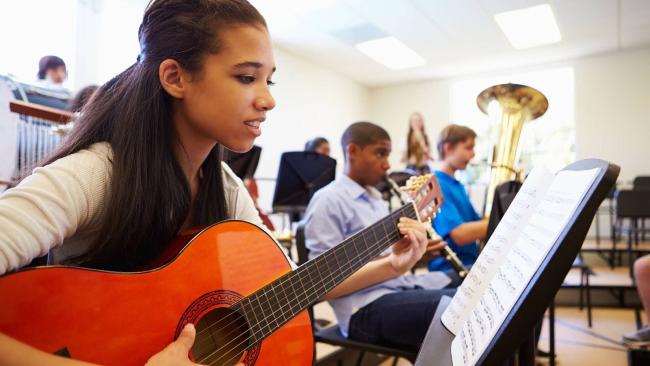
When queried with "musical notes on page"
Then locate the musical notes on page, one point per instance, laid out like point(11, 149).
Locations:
point(522, 253)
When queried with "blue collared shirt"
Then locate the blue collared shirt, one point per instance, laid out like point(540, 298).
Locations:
point(337, 212)
point(455, 211)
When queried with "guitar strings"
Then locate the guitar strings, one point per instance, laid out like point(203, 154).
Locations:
point(399, 212)
point(261, 331)
point(385, 240)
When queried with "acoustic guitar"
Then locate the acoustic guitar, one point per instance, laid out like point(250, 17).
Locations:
point(231, 280)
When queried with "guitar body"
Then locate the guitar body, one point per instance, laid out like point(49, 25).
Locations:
point(116, 318)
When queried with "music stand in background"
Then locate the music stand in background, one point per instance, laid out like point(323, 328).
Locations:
point(301, 174)
point(400, 177)
point(243, 165)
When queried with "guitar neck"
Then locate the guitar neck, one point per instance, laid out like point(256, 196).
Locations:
point(276, 303)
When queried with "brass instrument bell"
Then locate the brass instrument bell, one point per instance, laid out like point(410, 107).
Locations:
point(517, 105)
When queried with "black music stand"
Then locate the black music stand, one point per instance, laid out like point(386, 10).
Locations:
point(516, 332)
point(243, 165)
point(400, 177)
point(504, 194)
point(301, 174)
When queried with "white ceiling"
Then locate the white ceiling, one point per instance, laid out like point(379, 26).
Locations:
point(456, 37)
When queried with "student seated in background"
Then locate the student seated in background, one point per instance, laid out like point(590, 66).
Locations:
point(319, 145)
point(397, 309)
point(641, 338)
point(458, 223)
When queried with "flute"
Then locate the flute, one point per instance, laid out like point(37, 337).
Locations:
point(447, 252)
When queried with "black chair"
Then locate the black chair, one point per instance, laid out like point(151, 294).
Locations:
point(641, 183)
point(633, 205)
point(331, 335)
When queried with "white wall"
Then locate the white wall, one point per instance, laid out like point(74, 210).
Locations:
point(87, 57)
point(310, 101)
point(612, 110)
point(612, 118)
point(49, 30)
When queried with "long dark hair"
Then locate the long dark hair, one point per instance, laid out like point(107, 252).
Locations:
point(149, 194)
point(411, 148)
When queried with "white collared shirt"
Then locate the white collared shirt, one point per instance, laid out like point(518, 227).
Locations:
point(335, 213)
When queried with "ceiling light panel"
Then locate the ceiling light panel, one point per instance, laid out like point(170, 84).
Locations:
point(391, 52)
point(529, 27)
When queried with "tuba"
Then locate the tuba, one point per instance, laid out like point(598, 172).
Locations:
point(517, 104)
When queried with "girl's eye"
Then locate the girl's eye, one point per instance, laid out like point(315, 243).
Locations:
point(270, 83)
point(246, 79)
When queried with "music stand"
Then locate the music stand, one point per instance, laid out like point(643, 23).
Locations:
point(243, 165)
point(517, 327)
point(400, 177)
point(504, 194)
point(300, 175)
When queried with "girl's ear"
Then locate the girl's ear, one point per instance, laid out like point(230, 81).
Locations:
point(172, 78)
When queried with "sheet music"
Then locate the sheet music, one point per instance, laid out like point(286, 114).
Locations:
point(493, 255)
point(540, 231)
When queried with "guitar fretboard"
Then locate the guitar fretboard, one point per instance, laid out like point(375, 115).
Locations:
point(276, 303)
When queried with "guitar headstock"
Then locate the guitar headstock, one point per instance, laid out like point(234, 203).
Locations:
point(425, 192)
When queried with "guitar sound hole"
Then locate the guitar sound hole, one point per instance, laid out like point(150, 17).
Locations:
point(221, 338)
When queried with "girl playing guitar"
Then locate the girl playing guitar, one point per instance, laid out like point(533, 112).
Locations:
point(143, 162)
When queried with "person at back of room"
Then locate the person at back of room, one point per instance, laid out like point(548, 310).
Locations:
point(52, 71)
point(417, 153)
point(319, 145)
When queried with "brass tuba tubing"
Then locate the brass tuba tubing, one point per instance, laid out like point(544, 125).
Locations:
point(517, 105)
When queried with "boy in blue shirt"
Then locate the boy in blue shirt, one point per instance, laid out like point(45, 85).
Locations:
point(458, 223)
